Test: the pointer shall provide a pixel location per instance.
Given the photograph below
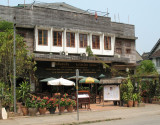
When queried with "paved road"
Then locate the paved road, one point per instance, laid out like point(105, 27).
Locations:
point(153, 119)
point(128, 115)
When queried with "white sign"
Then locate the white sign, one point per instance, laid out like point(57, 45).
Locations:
point(111, 92)
point(83, 96)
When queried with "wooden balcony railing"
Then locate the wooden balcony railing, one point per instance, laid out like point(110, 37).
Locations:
point(78, 58)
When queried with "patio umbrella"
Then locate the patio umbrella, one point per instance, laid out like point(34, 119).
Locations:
point(61, 81)
point(102, 76)
point(74, 77)
point(89, 80)
point(47, 79)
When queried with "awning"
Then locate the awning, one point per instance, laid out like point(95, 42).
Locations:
point(116, 80)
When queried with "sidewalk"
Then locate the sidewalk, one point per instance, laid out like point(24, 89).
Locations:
point(66, 118)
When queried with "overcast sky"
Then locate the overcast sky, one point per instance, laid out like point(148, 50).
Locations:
point(144, 14)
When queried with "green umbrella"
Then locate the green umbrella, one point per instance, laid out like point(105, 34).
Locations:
point(74, 77)
point(102, 76)
point(89, 80)
point(47, 79)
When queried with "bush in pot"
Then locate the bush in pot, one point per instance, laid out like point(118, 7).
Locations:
point(42, 105)
point(32, 105)
point(62, 103)
point(135, 99)
point(125, 99)
point(70, 104)
point(130, 92)
point(23, 93)
point(52, 103)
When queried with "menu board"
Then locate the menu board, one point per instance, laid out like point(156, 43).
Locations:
point(111, 92)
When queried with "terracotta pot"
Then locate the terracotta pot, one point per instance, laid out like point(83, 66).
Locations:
point(32, 111)
point(62, 108)
point(130, 103)
point(24, 110)
point(42, 111)
point(135, 103)
point(52, 110)
point(70, 108)
point(125, 105)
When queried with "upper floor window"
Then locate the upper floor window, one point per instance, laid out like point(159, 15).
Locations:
point(107, 43)
point(70, 39)
point(95, 42)
point(118, 43)
point(128, 51)
point(128, 44)
point(83, 40)
point(57, 38)
point(158, 62)
point(119, 50)
point(42, 37)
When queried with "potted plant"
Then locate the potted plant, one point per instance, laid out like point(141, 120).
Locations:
point(32, 105)
point(135, 99)
point(42, 105)
point(23, 92)
point(52, 103)
point(125, 99)
point(62, 104)
point(130, 92)
point(70, 104)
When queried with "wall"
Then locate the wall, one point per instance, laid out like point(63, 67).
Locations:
point(132, 55)
point(65, 19)
point(158, 68)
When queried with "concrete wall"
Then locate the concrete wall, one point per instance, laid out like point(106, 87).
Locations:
point(65, 19)
point(69, 21)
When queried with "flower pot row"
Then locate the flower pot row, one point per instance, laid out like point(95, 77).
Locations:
point(131, 103)
point(42, 111)
point(42, 104)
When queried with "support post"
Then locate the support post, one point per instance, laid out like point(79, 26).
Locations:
point(77, 75)
point(14, 64)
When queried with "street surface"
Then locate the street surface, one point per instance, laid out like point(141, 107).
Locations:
point(148, 115)
point(140, 120)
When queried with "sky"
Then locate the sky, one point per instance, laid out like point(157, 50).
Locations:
point(144, 14)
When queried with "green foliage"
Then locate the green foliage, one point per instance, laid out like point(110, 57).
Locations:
point(4, 25)
point(31, 102)
point(135, 97)
point(146, 67)
point(42, 103)
point(125, 97)
point(24, 62)
point(7, 94)
point(24, 91)
point(89, 51)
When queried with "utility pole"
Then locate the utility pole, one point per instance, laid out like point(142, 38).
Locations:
point(14, 64)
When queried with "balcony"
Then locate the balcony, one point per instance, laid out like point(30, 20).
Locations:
point(78, 58)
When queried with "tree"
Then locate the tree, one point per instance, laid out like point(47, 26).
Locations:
point(24, 62)
point(146, 67)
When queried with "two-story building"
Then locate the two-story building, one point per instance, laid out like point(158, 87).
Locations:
point(58, 35)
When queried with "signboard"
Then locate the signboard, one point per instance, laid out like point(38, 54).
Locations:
point(111, 92)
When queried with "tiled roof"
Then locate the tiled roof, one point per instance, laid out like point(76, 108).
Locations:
point(154, 48)
point(155, 54)
point(145, 56)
